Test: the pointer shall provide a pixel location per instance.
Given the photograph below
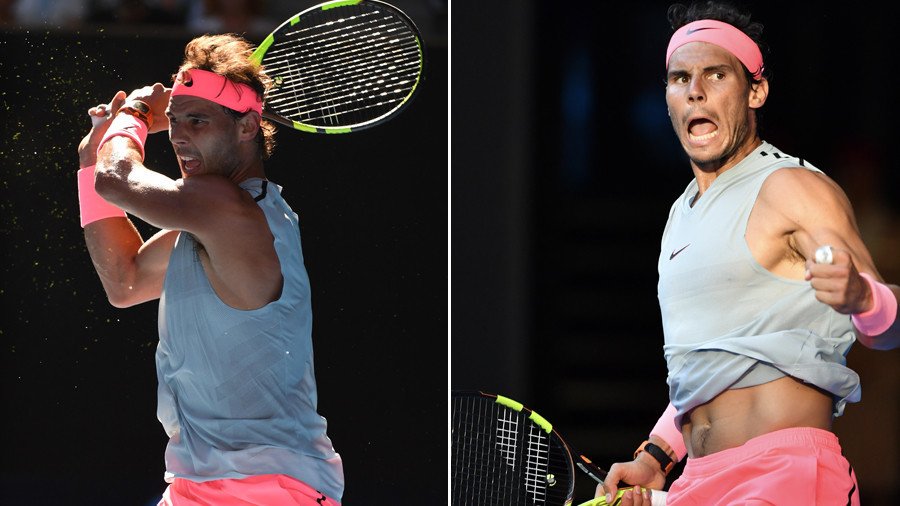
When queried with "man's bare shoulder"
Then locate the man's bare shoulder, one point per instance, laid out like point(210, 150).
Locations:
point(217, 208)
point(210, 186)
point(799, 191)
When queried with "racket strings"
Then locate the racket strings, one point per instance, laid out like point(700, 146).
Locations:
point(324, 53)
point(372, 88)
point(537, 464)
point(370, 69)
point(501, 457)
point(486, 469)
point(360, 66)
point(322, 37)
point(507, 441)
point(507, 436)
point(374, 77)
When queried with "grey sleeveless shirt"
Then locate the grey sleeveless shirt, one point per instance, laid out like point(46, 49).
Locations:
point(237, 391)
point(730, 323)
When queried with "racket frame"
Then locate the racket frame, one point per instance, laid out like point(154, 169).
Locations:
point(260, 51)
point(575, 459)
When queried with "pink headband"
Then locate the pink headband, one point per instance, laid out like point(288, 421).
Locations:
point(723, 35)
point(217, 88)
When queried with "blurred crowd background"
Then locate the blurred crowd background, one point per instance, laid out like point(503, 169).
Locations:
point(250, 17)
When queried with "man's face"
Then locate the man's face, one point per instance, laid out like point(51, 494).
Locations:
point(709, 101)
point(203, 135)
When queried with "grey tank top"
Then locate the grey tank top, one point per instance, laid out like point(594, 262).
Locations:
point(730, 323)
point(237, 391)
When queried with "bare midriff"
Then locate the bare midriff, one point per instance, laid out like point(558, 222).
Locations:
point(735, 416)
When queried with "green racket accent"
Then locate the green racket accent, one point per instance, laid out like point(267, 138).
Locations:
point(601, 501)
point(295, 20)
point(541, 422)
point(304, 128)
point(257, 55)
point(509, 403)
point(339, 3)
point(338, 130)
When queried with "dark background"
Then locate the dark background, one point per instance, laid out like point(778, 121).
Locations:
point(564, 166)
point(79, 383)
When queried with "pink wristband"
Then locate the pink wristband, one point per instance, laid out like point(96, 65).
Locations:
point(128, 126)
point(666, 430)
point(92, 205)
point(883, 312)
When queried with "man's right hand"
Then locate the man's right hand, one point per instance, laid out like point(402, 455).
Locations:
point(643, 471)
point(157, 97)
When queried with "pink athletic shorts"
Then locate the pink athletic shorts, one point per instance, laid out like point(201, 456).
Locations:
point(790, 466)
point(263, 490)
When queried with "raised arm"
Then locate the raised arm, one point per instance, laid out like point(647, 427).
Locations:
point(130, 270)
point(206, 202)
point(851, 284)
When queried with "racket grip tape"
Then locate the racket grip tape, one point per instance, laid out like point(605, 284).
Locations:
point(657, 498)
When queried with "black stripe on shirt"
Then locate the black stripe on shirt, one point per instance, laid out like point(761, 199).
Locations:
point(262, 195)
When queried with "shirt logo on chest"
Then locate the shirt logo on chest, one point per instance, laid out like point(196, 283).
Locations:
point(678, 251)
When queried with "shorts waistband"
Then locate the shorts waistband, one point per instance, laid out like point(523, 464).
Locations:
point(795, 437)
point(252, 490)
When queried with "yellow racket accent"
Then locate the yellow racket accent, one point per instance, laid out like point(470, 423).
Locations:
point(509, 403)
point(601, 501)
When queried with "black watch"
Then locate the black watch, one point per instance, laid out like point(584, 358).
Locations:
point(665, 462)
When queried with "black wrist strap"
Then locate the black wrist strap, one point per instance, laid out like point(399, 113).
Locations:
point(665, 462)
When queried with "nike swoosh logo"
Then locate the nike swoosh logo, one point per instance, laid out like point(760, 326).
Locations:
point(677, 252)
point(698, 29)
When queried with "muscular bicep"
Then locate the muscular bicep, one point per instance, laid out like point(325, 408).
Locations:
point(148, 272)
point(152, 261)
point(195, 204)
point(820, 214)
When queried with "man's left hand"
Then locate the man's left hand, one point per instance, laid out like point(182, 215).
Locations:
point(839, 284)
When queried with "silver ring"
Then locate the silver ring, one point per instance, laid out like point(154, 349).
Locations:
point(824, 255)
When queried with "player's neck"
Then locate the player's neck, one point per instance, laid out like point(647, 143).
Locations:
point(252, 169)
point(708, 172)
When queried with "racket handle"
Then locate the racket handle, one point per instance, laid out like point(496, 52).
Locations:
point(657, 498)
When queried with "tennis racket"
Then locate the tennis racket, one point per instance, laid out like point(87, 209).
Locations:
point(341, 66)
point(503, 453)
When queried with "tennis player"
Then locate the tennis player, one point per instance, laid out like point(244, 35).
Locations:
point(756, 332)
point(237, 390)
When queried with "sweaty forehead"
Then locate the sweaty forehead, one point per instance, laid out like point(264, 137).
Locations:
point(186, 104)
point(702, 55)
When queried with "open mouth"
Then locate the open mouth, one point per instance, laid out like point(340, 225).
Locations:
point(702, 129)
point(189, 163)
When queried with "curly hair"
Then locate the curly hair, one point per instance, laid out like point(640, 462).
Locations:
point(229, 55)
point(680, 15)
